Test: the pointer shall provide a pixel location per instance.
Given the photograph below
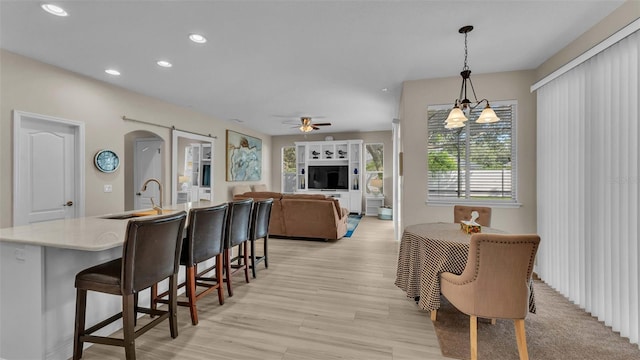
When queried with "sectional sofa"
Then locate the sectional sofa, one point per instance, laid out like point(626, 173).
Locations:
point(303, 216)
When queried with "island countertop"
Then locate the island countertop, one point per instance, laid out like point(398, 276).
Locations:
point(92, 233)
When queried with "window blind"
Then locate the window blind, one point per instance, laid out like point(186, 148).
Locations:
point(587, 184)
point(475, 162)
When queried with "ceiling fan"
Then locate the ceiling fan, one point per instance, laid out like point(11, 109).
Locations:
point(306, 125)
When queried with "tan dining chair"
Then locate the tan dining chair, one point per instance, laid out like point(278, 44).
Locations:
point(260, 216)
point(150, 254)
point(462, 212)
point(204, 242)
point(494, 283)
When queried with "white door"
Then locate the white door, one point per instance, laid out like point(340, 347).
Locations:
point(147, 164)
point(47, 168)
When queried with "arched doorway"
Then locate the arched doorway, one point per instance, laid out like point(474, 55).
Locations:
point(144, 159)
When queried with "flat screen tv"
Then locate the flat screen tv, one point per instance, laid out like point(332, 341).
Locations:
point(328, 177)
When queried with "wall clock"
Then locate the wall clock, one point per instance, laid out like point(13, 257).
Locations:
point(106, 161)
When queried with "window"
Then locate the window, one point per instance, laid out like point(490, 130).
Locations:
point(374, 168)
point(475, 163)
point(288, 169)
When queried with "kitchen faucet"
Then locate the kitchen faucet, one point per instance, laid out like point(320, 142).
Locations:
point(158, 209)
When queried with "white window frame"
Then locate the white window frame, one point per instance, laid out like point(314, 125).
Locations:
point(282, 168)
point(513, 202)
point(367, 173)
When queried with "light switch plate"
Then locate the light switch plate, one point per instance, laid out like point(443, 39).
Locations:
point(108, 188)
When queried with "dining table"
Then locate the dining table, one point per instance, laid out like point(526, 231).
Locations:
point(429, 249)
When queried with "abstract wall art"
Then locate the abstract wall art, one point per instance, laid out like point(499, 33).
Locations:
point(244, 157)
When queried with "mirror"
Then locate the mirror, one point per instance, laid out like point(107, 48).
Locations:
point(191, 167)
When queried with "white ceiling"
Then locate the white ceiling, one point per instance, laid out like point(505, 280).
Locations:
point(267, 62)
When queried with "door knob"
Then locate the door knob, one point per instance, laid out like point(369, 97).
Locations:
point(69, 203)
point(138, 194)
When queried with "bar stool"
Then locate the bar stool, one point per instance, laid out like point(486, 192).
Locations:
point(150, 254)
point(204, 241)
point(260, 216)
point(237, 234)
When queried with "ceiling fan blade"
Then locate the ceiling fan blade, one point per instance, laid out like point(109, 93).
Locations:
point(315, 127)
point(322, 124)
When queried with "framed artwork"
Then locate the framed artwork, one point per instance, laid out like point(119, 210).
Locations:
point(244, 157)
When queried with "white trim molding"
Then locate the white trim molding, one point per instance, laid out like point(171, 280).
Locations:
point(603, 45)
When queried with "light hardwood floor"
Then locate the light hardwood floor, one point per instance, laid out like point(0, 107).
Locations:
point(317, 300)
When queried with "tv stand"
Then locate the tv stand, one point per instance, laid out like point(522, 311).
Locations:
point(332, 153)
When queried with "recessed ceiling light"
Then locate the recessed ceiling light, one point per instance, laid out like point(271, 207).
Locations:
point(197, 38)
point(113, 72)
point(385, 89)
point(164, 63)
point(54, 10)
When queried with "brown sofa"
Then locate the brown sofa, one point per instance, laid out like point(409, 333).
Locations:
point(301, 215)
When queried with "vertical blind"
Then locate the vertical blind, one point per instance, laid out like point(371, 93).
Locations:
point(588, 185)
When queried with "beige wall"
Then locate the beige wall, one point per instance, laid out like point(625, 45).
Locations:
point(619, 18)
point(417, 95)
point(385, 137)
point(35, 87)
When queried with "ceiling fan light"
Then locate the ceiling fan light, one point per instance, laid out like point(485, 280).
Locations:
point(305, 128)
point(487, 116)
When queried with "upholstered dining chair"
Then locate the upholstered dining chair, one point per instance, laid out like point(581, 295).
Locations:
point(150, 254)
point(260, 216)
point(236, 235)
point(204, 241)
point(461, 212)
point(494, 283)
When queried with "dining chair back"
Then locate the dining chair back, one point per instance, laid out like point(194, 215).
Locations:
point(461, 212)
point(495, 283)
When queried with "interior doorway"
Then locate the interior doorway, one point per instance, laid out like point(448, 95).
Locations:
point(144, 158)
point(48, 168)
point(147, 165)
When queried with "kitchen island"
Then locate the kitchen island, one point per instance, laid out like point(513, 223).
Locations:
point(38, 264)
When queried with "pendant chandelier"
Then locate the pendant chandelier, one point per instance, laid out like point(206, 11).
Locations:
point(457, 117)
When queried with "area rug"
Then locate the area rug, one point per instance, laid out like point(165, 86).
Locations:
point(559, 330)
point(352, 224)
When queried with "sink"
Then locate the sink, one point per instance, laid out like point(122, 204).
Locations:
point(136, 214)
point(120, 216)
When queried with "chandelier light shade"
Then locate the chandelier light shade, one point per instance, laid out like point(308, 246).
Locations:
point(457, 118)
point(487, 116)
